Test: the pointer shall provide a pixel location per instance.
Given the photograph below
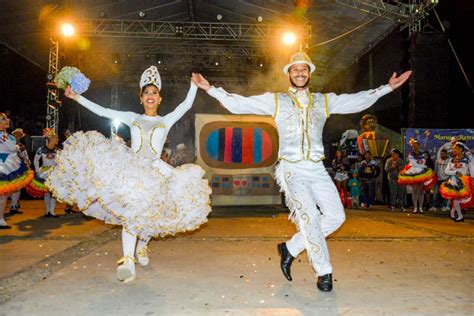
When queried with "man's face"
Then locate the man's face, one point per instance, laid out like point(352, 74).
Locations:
point(443, 155)
point(299, 75)
point(368, 156)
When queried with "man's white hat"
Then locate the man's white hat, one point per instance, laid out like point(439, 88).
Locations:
point(299, 58)
point(151, 76)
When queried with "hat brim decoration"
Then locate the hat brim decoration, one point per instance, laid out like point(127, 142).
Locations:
point(151, 76)
point(299, 58)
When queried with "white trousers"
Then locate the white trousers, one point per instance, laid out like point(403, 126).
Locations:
point(315, 207)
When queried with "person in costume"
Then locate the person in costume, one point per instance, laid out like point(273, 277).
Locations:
point(44, 161)
point(310, 193)
point(459, 185)
point(341, 177)
point(132, 186)
point(417, 175)
point(14, 173)
point(23, 154)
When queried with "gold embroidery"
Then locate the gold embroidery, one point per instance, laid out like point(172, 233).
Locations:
point(141, 135)
point(161, 125)
point(276, 105)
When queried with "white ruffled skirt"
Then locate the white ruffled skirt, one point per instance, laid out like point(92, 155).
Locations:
point(108, 181)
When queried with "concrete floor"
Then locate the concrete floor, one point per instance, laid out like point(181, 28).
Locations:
point(385, 263)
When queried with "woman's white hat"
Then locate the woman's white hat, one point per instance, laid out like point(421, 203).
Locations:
point(151, 76)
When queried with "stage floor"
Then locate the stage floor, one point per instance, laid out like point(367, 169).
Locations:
point(385, 263)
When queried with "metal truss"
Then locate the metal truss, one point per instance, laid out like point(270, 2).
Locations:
point(196, 48)
point(130, 80)
point(409, 13)
point(207, 31)
point(52, 98)
point(395, 10)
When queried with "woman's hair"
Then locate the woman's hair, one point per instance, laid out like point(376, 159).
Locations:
point(460, 146)
point(146, 86)
point(398, 152)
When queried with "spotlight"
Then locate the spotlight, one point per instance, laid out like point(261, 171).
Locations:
point(289, 38)
point(261, 65)
point(219, 17)
point(141, 14)
point(216, 63)
point(260, 18)
point(67, 30)
point(159, 62)
point(178, 31)
point(116, 59)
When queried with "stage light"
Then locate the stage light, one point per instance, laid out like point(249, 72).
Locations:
point(141, 14)
point(260, 19)
point(289, 38)
point(216, 63)
point(67, 30)
point(219, 17)
point(116, 58)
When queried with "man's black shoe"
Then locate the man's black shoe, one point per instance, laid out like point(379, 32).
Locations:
point(286, 260)
point(15, 211)
point(325, 282)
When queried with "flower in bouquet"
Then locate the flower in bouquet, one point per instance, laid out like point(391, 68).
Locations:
point(74, 77)
point(79, 83)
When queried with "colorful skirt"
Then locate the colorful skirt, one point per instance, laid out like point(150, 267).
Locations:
point(458, 188)
point(14, 174)
point(110, 182)
point(37, 188)
point(413, 176)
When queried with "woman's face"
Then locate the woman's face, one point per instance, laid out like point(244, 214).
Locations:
point(150, 98)
point(457, 150)
point(4, 122)
point(338, 154)
point(52, 141)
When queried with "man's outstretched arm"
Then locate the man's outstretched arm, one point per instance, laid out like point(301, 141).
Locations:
point(263, 104)
point(357, 102)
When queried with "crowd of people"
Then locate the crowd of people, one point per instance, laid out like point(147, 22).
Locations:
point(418, 175)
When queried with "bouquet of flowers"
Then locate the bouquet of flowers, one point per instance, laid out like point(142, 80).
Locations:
point(71, 76)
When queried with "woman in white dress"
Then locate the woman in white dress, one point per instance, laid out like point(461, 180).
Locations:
point(132, 187)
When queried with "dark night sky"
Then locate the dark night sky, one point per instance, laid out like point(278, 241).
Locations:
point(23, 91)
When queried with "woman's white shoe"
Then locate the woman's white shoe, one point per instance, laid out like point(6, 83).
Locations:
point(142, 256)
point(126, 269)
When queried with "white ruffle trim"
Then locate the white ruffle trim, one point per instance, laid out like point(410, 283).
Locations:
point(108, 181)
